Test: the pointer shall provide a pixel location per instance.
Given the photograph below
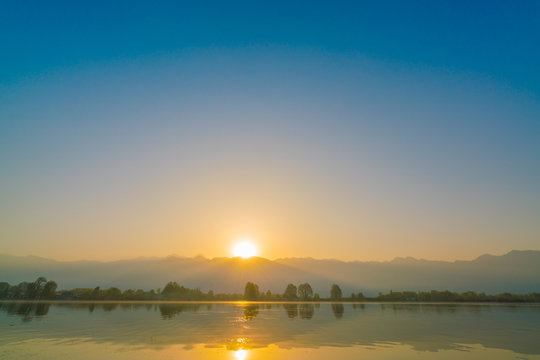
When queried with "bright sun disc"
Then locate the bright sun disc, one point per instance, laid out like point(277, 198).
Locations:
point(240, 354)
point(244, 249)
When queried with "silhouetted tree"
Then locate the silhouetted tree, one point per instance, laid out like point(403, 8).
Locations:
point(96, 293)
point(128, 294)
point(335, 292)
point(305, 292)
point(49, 290)
point(4, 289)
point(290, 292)
point(34, 289)
point(113, 293)
point(20, 290)
point(174, 291)
point(251, 291)
point(140, 294)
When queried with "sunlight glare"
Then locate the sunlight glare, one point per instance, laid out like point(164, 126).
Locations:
point(244, 249)
point(240, 354)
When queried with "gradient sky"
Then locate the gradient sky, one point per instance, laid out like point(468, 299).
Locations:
point(348, 130)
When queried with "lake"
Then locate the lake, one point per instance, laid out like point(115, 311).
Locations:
point(253, 331)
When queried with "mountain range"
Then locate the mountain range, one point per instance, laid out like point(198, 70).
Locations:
point(516, 272)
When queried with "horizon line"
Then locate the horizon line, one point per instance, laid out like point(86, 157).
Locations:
point(265, 258)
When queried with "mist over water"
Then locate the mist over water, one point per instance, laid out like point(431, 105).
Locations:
point(264, 330)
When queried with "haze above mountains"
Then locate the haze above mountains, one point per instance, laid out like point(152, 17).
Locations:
point(516, 272)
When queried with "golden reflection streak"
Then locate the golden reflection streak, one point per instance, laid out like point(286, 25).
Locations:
point(241, 354)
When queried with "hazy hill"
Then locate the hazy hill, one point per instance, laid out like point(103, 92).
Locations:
point(517, 271)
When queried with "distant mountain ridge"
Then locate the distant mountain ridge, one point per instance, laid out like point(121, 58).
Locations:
point(516, 271)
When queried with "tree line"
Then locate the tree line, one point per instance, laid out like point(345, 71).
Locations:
point(41, 289)
point(303, 292)
point(449, 296)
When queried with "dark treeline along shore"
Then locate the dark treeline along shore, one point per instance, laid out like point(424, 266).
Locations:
point(41, 289)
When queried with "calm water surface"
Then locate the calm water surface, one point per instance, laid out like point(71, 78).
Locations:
point(244, 331)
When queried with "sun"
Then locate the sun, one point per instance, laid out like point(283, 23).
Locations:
point(244, 249)
point(240, 354)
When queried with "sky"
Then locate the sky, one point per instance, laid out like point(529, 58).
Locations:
point(349, 130)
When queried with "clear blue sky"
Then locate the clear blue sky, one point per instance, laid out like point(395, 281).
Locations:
point(388, 128)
